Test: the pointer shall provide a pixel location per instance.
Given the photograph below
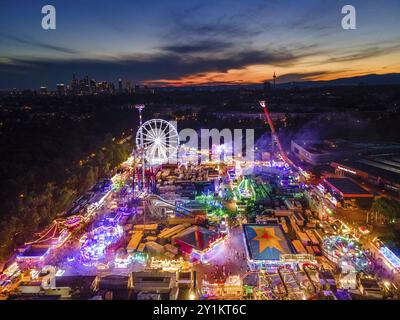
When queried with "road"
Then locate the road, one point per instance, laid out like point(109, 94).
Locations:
point(227, 259)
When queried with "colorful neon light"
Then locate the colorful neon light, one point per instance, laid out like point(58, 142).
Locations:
point(347, 170)
point(96, 242)
point(73, 221)
point(338, 249)
point(390, 257)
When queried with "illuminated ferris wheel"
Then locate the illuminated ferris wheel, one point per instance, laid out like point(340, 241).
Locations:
point(159, 140)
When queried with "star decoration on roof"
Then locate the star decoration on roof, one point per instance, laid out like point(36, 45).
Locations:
point(267, 239)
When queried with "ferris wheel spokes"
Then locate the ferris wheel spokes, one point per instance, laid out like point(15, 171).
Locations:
point(158, 139)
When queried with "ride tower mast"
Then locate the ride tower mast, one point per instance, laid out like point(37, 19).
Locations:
point(140, 108)
point(274, 136)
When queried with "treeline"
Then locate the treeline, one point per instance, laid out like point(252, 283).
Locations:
point(389, 209)
point(33, 210)
point(47, 162)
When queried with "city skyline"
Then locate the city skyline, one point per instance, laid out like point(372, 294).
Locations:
point(196, 42)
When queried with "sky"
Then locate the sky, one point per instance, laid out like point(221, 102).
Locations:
point(191, 42)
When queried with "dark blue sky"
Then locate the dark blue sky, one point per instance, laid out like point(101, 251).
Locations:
point(190, 41)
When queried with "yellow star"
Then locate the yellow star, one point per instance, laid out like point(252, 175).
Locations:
point(267, 239)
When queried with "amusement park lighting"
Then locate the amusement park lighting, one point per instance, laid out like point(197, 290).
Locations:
point(60, 272)
point(192, 296)
point(390, 257)
point(387, 284)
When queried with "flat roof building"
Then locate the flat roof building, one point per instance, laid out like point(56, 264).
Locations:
point(347, 192)
point(347, 188)
point(319, 152)
point(266, 242)
point(160, 283)
point(382, 170)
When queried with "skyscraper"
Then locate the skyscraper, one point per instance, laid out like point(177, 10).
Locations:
point(128, 85)
point(74, 84)
point(61, 89)
point(120, 88)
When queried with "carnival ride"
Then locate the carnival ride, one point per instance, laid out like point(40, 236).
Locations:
point(96, 242)
point(159, 141)
point(291, 284)
point(245, 189)
point(268, 287)
point(312, 285)
point(146, 179)
point(283, 284)
point(287, 283)
point(338, 249)
point(275, 138)
point(156, 206)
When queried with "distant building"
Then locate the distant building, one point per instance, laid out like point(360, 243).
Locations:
point(74, 84)
point(347, 190)
point(267, 86)
point(128, 86)
point(61, 89)
point(197, 241)
point(383, 171)
point(43, 90)
point(120, 86)
point(155, 285)
point(320, 152)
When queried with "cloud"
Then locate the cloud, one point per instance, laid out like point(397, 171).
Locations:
point(365, 53)
point(205, 46)
point(305, 76)
point(197, 23)
point(162, 65)
point(36, 44)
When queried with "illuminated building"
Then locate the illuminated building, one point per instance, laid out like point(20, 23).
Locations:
point(34, 254)
point(321, 152)
point(340, 249)
point(346, 190)
point(390, 259)
point(43, 90)
point(378, 170)
point(268, 247)
point(95, 243)
point(154, 285)
point(178, 265)
point(232, 288)
point(61, 89)
point(197, 241)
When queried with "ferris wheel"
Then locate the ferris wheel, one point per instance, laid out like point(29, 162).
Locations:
point(158, 139)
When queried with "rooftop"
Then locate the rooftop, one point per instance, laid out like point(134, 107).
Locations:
point(385, 166)
point(266, 241)
point(197, 237)
point(346, 187)
point(34, 252)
